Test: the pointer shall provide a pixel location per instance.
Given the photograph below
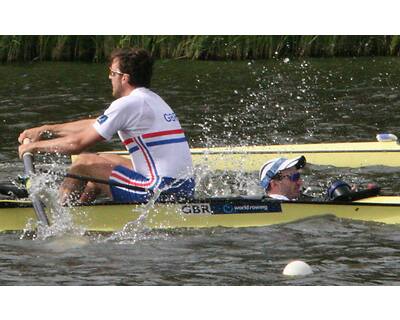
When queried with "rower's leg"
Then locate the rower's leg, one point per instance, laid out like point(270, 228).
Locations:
point(90, 193)
point(91, 165)
point(117, 160)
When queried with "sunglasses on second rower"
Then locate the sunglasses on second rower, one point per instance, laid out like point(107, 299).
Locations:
point(292, 177)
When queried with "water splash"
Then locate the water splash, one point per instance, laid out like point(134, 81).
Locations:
point(225, 183)
point(137, 230)
point(45, 187)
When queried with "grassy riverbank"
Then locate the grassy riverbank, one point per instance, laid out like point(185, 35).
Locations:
point(97, 48)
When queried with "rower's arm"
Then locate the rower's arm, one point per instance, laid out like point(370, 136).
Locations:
point(55, 130)
point(73, 143)
point(63, 129)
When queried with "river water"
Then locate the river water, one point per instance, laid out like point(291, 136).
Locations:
point(218, 103)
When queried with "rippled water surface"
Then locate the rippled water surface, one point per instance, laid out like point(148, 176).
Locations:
point(218, 103)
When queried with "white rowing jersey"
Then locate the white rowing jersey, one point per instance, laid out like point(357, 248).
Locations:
point(151, 132)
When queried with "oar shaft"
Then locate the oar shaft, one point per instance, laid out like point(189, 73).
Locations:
point(37, 204)
point(110, 183)
point(27, 159)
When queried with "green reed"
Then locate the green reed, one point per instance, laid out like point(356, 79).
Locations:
point(97, 48)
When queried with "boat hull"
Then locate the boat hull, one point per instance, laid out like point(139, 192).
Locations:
point(235, 212)
point(251, 158)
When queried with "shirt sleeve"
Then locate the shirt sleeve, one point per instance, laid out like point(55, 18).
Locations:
point(120, 115)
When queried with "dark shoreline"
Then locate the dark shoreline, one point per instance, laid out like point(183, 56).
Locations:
point(96, 48)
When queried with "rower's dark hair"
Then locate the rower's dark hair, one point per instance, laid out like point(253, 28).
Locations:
point(137, 63)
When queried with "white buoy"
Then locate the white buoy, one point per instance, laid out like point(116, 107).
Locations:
point(297, 268)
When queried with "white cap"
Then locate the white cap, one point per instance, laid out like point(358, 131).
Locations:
point(272, 167)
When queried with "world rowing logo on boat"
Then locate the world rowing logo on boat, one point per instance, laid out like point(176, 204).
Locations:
point(228, 208)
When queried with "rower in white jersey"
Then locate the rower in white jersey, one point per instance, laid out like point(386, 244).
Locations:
point(152, 134)
point(147, 126)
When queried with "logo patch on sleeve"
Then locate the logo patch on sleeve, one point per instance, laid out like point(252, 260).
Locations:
point(102, 119)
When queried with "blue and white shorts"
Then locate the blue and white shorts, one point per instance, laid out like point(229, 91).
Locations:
point(172, 189)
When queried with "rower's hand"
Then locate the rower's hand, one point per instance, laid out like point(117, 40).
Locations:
point(33, 134)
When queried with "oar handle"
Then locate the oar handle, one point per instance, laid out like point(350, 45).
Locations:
point(27, 158)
